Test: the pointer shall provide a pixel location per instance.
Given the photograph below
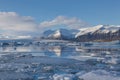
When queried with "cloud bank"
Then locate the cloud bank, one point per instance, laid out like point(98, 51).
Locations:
point(72, 23)
point(12, 23)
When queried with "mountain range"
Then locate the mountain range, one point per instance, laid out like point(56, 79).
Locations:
point(96, 33)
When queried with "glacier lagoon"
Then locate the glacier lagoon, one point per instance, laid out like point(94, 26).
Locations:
point(60, 60)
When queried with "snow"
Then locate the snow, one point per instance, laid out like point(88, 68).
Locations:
point(67, 33)
point(57, 34)
point(98, 29)
point(110, 28)
point(88, 30)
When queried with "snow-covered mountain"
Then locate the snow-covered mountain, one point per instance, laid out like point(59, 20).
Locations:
point(96, 33)
point(61, 33)
point(98, 29)
point(99, 32)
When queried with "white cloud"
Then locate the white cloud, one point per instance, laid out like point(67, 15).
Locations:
point(12, 23)
point(62, 20)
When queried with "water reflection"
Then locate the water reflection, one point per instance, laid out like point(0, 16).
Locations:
point(57, 50)
point(74, 51)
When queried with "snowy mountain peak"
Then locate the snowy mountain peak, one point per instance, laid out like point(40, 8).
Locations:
point(88, 30)
point(98, 29)
point(91, 33)
point(61, 33)
point(57, 34)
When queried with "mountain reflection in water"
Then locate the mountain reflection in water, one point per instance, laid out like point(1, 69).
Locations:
point(69, 50)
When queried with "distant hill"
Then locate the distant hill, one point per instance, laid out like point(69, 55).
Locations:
point(96, 33)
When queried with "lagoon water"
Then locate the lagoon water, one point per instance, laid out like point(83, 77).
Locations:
point(57, 60)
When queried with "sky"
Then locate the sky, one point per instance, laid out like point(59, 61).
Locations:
point(34, 16)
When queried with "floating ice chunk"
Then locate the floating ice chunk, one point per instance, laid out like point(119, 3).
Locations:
point(99, 75)
point(63, 77)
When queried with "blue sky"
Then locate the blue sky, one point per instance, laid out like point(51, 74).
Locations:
point(92, 12)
